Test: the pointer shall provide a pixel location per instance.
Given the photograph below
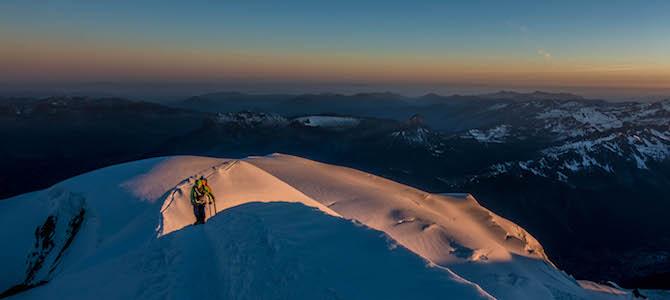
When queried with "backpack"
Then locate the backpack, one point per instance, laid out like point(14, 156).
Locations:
point(199, 192)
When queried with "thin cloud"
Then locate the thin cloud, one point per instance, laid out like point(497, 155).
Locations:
point(609, 68)
point(544, 53)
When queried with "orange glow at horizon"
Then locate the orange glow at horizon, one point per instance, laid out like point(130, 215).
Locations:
point(54, 61)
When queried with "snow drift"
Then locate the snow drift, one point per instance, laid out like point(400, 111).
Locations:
point(284, 228)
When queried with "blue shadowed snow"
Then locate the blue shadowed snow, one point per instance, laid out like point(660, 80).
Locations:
point(264, 251)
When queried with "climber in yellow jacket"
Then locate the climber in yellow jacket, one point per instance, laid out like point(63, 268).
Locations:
point(201, 195)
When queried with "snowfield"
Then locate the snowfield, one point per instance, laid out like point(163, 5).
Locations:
point(284, 228)
point(493, 135)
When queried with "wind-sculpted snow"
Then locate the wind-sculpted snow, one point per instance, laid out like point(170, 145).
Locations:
point(331, 233)
point(234, 183)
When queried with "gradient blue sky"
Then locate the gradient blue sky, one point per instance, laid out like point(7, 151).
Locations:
point(507, 44)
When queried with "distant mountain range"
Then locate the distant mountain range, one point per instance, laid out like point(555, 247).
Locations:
point(446, 113)
point(563, 167)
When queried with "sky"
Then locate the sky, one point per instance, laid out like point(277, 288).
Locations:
point(601, 47)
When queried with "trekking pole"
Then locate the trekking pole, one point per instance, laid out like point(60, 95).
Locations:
point(209, 206)
point(214, 202)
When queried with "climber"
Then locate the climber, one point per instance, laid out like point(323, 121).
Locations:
point(201, 195)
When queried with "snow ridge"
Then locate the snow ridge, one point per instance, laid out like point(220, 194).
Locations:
point(134, 237)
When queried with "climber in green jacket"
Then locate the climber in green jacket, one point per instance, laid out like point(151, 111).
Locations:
point(201, 195)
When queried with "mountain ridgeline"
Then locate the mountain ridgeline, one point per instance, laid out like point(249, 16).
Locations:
point(563, 167)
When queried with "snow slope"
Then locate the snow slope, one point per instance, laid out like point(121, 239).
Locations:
point(331, 232)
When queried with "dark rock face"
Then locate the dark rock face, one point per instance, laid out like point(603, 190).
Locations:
point(52, 240)
point(43, 245)
point(415, 120)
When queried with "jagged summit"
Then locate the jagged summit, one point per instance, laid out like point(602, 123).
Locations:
point(125, 232)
